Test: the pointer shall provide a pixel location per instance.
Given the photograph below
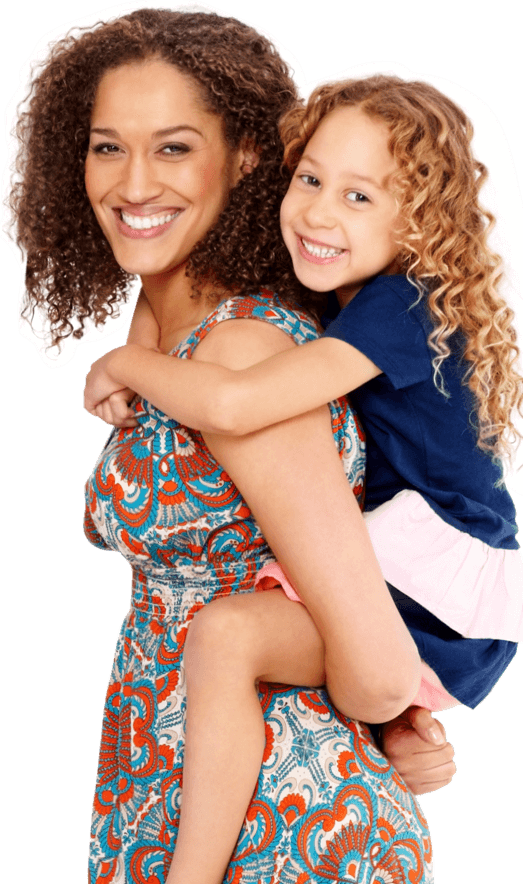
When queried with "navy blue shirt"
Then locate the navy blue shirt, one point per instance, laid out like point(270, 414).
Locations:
point(418, 438)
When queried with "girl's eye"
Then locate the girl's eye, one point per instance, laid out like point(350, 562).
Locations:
point(354, 196)
point(310, 180)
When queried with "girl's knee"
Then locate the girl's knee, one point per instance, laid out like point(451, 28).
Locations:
point(220, 634)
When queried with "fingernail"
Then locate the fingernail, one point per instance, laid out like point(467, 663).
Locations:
point(435, 735)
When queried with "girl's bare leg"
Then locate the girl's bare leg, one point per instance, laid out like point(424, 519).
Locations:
point(231, 644)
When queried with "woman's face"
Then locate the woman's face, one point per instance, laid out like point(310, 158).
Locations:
point(158, 171)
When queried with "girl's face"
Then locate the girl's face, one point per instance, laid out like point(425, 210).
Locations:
point(339, 217)
point(158, 170)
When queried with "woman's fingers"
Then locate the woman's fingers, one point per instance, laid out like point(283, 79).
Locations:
point(424, 765)
point(427, 727)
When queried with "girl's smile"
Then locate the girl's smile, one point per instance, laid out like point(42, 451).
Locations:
point(339, 215)
point(317, 252)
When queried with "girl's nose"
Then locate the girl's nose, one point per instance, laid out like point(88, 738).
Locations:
point(320, 211)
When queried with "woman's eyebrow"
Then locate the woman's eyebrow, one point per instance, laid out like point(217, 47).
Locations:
point(172, 130)
point(161, 133)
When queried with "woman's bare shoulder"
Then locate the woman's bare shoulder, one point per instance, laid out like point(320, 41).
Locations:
point(237, 343)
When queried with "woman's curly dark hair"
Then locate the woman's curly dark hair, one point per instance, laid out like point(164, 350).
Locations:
point(71, 271)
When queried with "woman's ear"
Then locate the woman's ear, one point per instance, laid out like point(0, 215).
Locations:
point(250, 161)
point(249, 157)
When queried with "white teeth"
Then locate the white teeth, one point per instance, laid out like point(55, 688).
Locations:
point(320, 251)
point(145, 222)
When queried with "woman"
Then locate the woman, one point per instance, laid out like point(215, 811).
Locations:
point(178, 114)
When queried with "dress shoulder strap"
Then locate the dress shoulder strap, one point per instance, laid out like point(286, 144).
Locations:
point(264, 306)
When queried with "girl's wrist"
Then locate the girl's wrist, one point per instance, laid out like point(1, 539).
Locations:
point(119, 360)
point(130, 364)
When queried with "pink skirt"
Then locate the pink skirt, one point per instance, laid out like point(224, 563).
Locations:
point(431, 694)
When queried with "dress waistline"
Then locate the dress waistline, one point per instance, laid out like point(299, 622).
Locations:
point(181, 594)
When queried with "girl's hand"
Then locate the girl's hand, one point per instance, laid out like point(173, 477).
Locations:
point(416, 744)
point(105, 397)
point(115, 409)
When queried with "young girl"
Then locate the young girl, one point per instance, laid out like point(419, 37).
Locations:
point(382, 209)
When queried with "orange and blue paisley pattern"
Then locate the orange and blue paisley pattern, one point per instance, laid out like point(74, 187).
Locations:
point(328, 806)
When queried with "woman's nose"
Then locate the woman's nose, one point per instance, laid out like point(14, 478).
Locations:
point(138, 183)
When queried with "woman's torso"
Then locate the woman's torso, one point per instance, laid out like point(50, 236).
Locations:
point(159, 497)
point(327, 802)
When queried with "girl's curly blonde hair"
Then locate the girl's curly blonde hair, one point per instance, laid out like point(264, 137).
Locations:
point(443, 241)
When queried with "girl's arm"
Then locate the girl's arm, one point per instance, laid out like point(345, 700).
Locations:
point(113, 401)
point(292, 477)
point(215, 399)
point(144, 329)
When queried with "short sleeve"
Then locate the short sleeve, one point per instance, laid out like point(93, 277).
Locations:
point(384, 322)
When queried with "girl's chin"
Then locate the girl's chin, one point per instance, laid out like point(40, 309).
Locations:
point(313, 281)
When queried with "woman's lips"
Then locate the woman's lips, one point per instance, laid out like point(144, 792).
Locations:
point(318, 253)
point(143, 224)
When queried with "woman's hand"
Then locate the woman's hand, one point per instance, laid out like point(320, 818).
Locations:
point(416, 744)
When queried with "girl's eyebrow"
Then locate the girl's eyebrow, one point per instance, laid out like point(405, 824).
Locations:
point(161, 133)
point(353, 175)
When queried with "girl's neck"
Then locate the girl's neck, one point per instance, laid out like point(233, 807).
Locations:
point(345, 294)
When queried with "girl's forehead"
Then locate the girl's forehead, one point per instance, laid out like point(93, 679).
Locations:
point(353, 122)
point(349, 137)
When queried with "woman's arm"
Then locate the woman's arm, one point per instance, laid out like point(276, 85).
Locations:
point(292, 477)
point(215, 399)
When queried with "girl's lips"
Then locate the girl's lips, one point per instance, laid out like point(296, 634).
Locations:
point(148, 232)
point(318, 259)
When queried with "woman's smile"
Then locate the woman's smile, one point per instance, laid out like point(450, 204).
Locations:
point(137, 223)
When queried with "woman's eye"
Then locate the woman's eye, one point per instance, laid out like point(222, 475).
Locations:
point(105, 148)
point(173, 150)
point(354, 196)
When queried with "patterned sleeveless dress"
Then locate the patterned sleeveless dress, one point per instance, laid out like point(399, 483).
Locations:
point(328, 806)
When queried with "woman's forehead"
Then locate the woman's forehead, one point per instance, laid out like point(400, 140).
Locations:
point(153, 95)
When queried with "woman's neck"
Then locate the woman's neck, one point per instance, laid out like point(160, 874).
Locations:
point(176, 309)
